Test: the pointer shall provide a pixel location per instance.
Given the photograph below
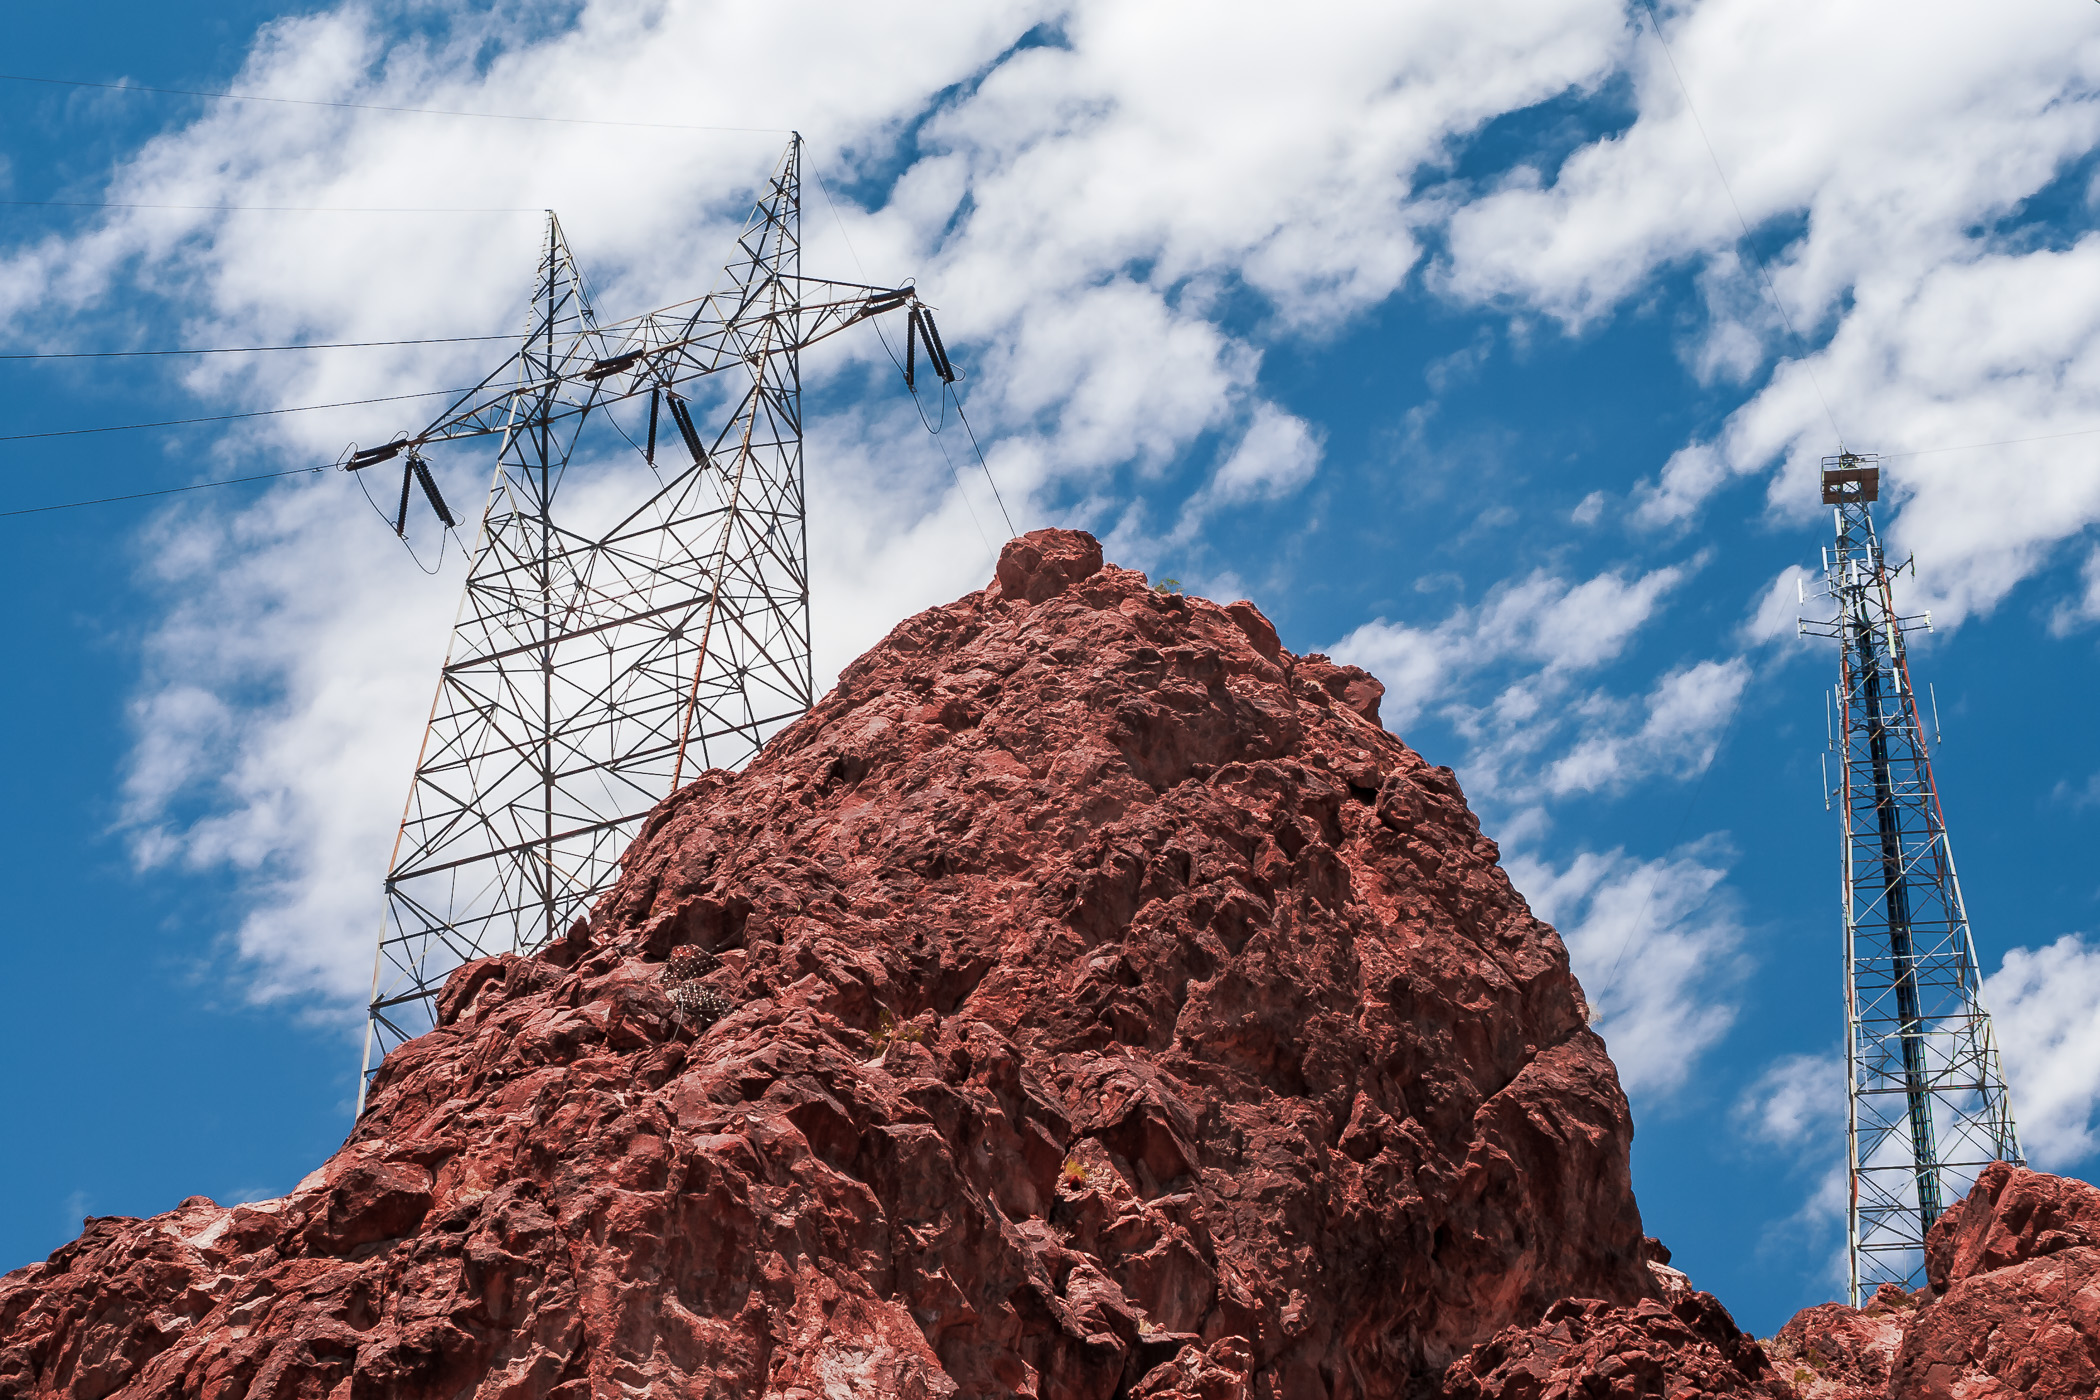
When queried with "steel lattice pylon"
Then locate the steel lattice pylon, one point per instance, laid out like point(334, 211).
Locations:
point(591, 669)
point(1927, 1107)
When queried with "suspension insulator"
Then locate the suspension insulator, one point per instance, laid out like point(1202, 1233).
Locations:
point(430, 491)
point(683, 417)
point(935, 351)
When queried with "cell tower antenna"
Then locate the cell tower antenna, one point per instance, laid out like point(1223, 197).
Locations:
point(602, 655)
point(1926, 1103)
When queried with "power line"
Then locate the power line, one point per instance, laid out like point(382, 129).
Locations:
point(1748, 245)
point(376, 107)
point(1010, 530)
point(227, 417)
point(250, 349)
point(165, 491)
point(1977, 446)
point(949, 388)
point(269, 208)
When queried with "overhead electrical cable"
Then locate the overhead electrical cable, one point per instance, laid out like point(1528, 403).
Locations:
point(935, 432)
point(379, 107)
point(1749, 245)
point(948, 387)
point(272, 208)
point(1977, 446)
point(227, 417)
point(165, 491)
point(249, 349)
point(964, 418)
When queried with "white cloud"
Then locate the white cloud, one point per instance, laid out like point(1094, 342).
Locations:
point(1681, 730)
point(2045, 1003)
point(1578, 627)
point(1798, 1103)
point(1969, 113)
point(1941, 330)
point(1506, 673)
point(1276, 455)
point(1077, 211)
point(1074, 209)
point(1692, 474)
point(1541, 619)
point(270, 709)
point(1656, 946)
point(1780, 607)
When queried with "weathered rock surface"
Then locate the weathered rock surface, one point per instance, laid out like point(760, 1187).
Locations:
point(1588, 1350)
point(1836, 1352)
point(2011, 1307)
point(2012, 1215)
point(1114, 1009)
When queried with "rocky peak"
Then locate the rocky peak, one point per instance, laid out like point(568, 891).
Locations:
point(1088, 998)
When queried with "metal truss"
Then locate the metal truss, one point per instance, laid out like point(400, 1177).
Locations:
point(593, 668)
point(1927, 1108)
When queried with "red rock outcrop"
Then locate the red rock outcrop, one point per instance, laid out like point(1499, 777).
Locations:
point(1588, 1350)
point(1112, 1007)
point(1836, 1352)
point(2011, 1307)
point(2015, 1268)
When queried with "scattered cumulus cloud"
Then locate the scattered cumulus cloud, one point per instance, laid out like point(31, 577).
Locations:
point(1077, 208)
point(2045, 1003)
point(1656, 944)
point(1542, 620)
point(1777, 611)
point(1920, 326)
point(1278, 454)
point(1071, 201)
point(1797, 1103)
point(1678, 734)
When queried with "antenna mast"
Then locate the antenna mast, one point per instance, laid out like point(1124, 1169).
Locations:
point(1927, 1108)
point(602, 656)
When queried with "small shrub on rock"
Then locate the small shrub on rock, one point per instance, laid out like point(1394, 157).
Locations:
point(888, 1030)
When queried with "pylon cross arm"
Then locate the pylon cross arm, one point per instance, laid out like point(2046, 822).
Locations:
point(586, 366)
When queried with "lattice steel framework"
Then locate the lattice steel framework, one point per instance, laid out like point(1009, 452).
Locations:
point(1927, 1108)
point(592, 669)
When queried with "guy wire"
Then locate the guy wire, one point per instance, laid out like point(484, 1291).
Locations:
point(1748, 243)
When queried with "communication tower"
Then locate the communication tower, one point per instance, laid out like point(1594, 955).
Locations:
point(1926, 1102)
point(600, 658)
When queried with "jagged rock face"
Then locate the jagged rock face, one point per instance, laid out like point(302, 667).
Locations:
point(2016, 1271)
point(2010, 1216)
point(2011, 1306)
point(1114, 1008)
point(1835, 1352)
point(1584, 1349)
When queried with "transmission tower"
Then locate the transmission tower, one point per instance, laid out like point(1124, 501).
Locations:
point(598, 660)
point(1926, 1102)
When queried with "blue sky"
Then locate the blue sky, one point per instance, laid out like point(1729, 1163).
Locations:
point(1431, 329)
